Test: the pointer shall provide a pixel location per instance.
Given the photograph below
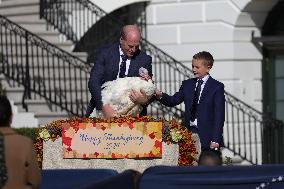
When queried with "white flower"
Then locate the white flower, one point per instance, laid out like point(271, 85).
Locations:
point(262, 185)
point(175, 135)
point(44, 134)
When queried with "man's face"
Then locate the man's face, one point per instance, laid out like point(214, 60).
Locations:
point(199, 69)
point(129, 45)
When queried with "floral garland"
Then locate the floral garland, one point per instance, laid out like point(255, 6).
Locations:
point(173, 132)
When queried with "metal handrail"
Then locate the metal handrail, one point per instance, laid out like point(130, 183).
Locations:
point(44, 70)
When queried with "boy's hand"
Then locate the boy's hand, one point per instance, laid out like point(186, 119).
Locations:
point(158, 94)
point(145, 77)
point(214, 145)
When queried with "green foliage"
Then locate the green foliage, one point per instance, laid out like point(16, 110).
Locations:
point(29, 132)
point(228, 161)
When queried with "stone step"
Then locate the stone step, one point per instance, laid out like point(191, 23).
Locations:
point(75, 94)
point(45, 118)
point(22, 119)
point(43, 106)
point(51, 72)
point(69, 92)
point(38, 106)
point(25, 18)
point(26, 119)
point(63, 46)
point(18, 52)
point(15, 93)
point(236, 160)
point(53, 39)
point(35, 27)
point(29, 19)
point(17, 41)
point(18, 3)
point(45, 62)
point(82, 55)
point(39, 59)
point(19, 10)
point(55, 80)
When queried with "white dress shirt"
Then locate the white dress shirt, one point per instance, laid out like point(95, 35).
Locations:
point(205, 78)
point(120, 60)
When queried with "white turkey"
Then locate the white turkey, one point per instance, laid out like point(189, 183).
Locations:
point(116, 94)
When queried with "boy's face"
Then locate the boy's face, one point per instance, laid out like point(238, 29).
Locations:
point(199, 69)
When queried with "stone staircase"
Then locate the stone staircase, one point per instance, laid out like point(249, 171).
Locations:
point(20, 119)
point(39, 111)
point(26, 14)
point(235, 159)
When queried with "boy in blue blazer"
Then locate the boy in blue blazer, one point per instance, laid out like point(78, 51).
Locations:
point(204, 102)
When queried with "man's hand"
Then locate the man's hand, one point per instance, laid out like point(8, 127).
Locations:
point(138, 97)
point(108, 111)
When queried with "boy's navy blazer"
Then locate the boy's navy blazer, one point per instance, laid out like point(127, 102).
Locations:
point(106, 68)
point(210, 110)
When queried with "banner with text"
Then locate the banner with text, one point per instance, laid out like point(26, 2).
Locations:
point(112, 140)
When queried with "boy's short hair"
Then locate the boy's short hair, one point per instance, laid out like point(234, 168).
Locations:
point(206, 57)
point(210, 157)
point(5, 111)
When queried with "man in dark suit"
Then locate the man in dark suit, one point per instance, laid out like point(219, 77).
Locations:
point(204, 102)
point(123, 59)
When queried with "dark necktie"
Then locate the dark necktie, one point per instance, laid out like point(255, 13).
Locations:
point(122, 67)
point(195, 100)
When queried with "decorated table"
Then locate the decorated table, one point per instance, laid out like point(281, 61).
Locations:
point(118, 143)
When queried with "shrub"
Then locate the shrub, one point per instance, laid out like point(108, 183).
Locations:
point(29, 132)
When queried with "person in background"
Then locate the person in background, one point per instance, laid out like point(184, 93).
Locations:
point(210, 158)
point(22, 168)
point(118, 60)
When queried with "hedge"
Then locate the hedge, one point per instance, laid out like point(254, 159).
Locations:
point(29, 132)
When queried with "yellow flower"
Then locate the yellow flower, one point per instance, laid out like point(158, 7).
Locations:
point(44, 134)
point(156, 151)
point(175, 135)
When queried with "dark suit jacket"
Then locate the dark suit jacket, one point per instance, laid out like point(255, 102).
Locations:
point(106, 69)
point(22, 167)
point(210, 110)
